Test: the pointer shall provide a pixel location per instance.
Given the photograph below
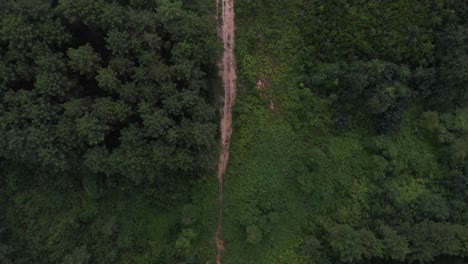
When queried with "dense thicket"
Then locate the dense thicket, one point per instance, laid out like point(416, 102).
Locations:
point(355, 148)
point(107, 100)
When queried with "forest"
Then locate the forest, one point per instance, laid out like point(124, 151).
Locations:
point(350, 138)
point(108, 120)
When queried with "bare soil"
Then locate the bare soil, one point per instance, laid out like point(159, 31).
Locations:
point(227, 68)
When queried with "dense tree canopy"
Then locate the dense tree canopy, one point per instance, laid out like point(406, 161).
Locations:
point(98, 98)
point(84, 89)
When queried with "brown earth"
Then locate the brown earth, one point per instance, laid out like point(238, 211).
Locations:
point(227, 69)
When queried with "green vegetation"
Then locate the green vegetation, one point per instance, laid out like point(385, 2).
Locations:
point(350, 139)
point(108, 131)
point(351, 148)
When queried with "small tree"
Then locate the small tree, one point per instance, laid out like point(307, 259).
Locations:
point(346, 242)
point(395, 246)
point(84, 60)
point(79, 255)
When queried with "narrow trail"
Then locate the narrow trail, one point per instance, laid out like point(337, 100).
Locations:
point(227, 68)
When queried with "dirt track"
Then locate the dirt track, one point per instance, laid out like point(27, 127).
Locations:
point(227, 69)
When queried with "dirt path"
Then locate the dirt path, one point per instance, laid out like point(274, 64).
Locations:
point(227, 69)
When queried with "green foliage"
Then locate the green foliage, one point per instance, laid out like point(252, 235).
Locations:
point(431, 239)
point(346, 242)
point(360, 93)
point(452, 60)
point(395, 246)
point(107, 79)
point(190, 214)
point(433, 207)
point(6, 250)
point(78, 256)
point(351, 245)
point(354, 150)
point(108, 94)
point(185, 239)
point(347, 30)
point(108, 106)
point(254, 234)
point(91, 186)
point(373, 247)
point(83, 59)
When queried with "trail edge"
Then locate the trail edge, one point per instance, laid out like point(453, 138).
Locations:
point(227, 68)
